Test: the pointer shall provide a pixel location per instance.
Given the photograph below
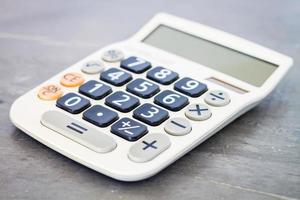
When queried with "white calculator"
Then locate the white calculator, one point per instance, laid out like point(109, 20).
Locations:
point(134, 107)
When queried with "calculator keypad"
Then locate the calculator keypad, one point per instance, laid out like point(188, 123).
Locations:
point(190, 87)
point(162, 75)
point(142, 88)
point(135, 64)
point(100, 116)
point(129, 129)
point(73, 103)
point(150, 114)
point(115, 77)
point(95, 89)
point(171, 100)
point(151, 145)
point(122, 101)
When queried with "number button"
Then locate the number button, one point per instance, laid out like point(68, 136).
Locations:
point(115, 76)
point(150, 114)
point(162, 75)
point(142, 88)
point(136, 65)
point(95, 90)
point(190, 87)
point(100, 116)
point(122, 102)
point(171, 100)
point(73, 103)
point(129, 129)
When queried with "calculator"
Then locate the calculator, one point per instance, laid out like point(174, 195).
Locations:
point(134, 107)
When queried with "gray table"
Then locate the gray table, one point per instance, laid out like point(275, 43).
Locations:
point(255, 157)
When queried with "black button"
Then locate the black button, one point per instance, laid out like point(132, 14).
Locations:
point(190, 87)
point(100, 116)
point(95, 89)
point(122, 101)
point(129, 129)
point(150, 114)
point(115, 76)
point(142, 88)
point(136, 65)
point(73, 103)
point(162, 75)
point(171, 100)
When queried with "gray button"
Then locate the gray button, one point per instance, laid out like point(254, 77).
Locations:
point(178, 126)
point(217, 98)
point(92, 67)
point(112, 55)
point(198, 112)
point(149, 147)
point(78, 132)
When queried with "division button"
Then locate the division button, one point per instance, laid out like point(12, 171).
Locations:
point(198, 112)
point(72, 79)
point(50, 92)
point(149, 147)
point(78, 132)
point(129, 129)
point(178, 126)
point(92, 67)
point(217, 98)
point(112, 55)
point(100, 116)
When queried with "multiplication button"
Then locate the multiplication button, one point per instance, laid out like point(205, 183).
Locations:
point(149, 147)
point(217, 98)
point(198, 112)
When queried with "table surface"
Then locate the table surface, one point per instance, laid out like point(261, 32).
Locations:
point(255, 157)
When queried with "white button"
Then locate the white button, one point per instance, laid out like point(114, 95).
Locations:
point(198, 112)
point(78, 132)
point(112, 55)
point(217, 98)
point(178, 126)
point(149, 147)
point(92, 67)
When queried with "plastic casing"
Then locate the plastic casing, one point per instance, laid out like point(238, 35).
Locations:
point(26, 111)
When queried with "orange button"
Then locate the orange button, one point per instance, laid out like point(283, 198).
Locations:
point(72, 79)
point(50, 92)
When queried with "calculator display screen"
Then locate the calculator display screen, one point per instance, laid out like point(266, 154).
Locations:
point(226, 60)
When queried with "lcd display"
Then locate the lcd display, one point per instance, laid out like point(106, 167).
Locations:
point(226, 60)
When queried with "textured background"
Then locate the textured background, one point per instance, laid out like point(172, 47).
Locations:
point(255, 157)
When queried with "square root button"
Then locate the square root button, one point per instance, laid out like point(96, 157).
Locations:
point(149, 147)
